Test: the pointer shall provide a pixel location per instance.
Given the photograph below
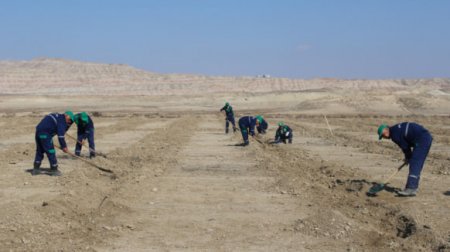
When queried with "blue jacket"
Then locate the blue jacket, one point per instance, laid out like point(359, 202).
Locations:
point(406, 135)
point(248, 122)
point(54, 124)
point(228, 110)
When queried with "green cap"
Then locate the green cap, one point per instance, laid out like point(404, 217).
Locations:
point(281, 124)
point(380, 130)
point(259, 118)
point(70, 114)
point(227, 104)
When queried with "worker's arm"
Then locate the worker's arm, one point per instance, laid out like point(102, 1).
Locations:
point(406, 150)
point(61, 131)
point(277, 135)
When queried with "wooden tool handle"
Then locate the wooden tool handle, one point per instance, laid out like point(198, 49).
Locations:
point(87, 161)
point(395, 173)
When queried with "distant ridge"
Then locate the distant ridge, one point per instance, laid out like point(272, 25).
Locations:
point(45, 76)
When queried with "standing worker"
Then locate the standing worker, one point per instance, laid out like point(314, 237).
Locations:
point(415, 142)
point(283, 133)
point(229, 117)
point(85, 130)
point(247, 126)
point(52, 124)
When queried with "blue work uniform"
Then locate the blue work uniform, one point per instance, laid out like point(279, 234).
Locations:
point(415, 142)
point(247, 126)
point(85, 131)
point(283, 133)
point(52, 124)
point(229, 117)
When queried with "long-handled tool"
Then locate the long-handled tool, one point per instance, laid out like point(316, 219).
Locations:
point(84, 144)
point(88, 162)
point(379, 187)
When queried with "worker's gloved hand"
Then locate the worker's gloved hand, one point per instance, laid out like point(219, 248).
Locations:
point(65, 150)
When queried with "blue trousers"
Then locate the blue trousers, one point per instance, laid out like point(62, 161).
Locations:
point(417, 160)
point(244, 131)
point(89, 135)
point(44, 144)
point(228, 120)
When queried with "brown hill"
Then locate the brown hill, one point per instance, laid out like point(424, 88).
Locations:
point(56, 76)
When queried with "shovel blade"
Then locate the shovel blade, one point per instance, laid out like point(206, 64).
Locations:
point(375, 189)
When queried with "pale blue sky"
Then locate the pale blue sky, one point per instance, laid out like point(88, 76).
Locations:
point(286, 38)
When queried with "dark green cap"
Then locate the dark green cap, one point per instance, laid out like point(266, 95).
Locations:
point(380, 130)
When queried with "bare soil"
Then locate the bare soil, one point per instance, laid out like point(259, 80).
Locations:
point(181, 184)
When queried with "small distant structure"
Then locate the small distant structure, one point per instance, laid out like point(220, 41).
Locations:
point(265, 76)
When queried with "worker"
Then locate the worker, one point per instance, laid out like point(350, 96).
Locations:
point(247, 126)
point(262, 125)
point(85, 131)
point(229, 117)
point(415, 142)
point(283, 133)
point(52, 124)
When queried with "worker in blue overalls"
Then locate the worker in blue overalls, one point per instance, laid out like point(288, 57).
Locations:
point(283, 133)
point(85, 131)
point(247, 126)
point(52, 124)
point(415, 142)
point(229, 117)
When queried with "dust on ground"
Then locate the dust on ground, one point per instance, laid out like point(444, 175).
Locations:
point(181, 184)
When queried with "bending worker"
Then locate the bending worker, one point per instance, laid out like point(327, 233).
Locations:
point(415, 142)
point(247, 126)
point(85, 131)
point(52, 124)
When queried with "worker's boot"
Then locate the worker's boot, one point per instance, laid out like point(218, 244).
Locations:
point(92, 155)
point(54, 171)
point(36, 169)
point(226, 130)
point(290, 140)
point(246, 143)
point(234, 129)
point(408, 192)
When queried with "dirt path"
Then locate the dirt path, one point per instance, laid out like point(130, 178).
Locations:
point(214, 198)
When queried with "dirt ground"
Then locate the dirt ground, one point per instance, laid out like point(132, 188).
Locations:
point(181, 184)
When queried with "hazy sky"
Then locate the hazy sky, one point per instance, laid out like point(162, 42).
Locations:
point(288, 38)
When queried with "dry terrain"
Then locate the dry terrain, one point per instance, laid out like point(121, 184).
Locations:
point(181, 184)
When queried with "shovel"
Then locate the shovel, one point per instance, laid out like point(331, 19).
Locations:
point(379, 187)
